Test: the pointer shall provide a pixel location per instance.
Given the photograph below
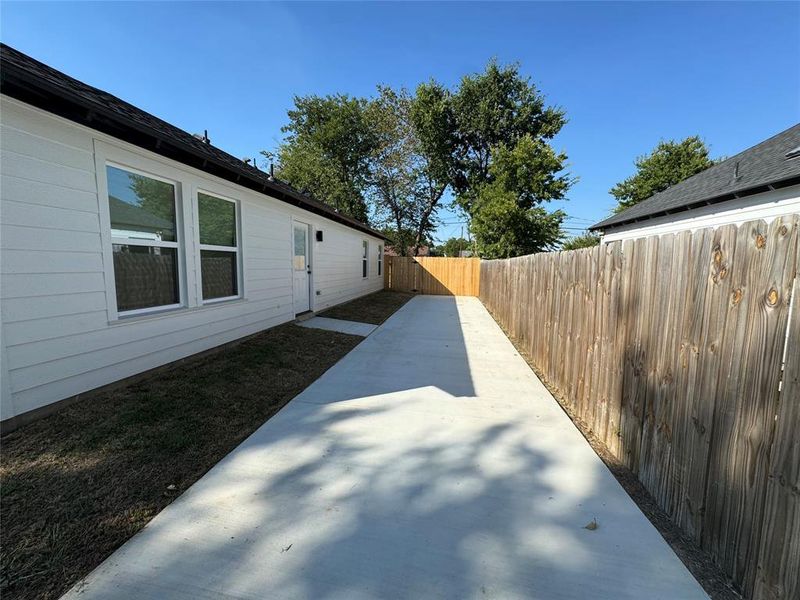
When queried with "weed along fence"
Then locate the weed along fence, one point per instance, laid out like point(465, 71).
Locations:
point(671, 350)
point(433, 275)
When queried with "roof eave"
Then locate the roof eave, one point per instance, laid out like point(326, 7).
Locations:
point(759, 189)
point(56, 100)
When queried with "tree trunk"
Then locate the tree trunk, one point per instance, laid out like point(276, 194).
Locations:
point(402, 250)
point(424, 220)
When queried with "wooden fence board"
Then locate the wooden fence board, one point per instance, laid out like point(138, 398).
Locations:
point(624, 284)
point(669, 302)
point(669, 348)
point(745, 420)
point(717, 293)
point(778, 569)
point(629, 421)
point(685, 435)
point(655, 347)
point(612, 363)
point(639, 351)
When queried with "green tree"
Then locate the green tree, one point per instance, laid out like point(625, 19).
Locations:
point(433, 123)
point(156, 197)
point(398, 154)
point(504, 229)
point(503, 167)
point(454, 246)
point(669, 163)
point(399, 241)
point(507, 216)
point(390, 180)
point(327, 149)
point(585, 240)
point(408, 172)
point(492, 110)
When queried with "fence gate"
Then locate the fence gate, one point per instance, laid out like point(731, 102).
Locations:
point(433, 275)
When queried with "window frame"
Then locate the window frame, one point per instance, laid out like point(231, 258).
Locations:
point(364, 259)
point(108, 249)
point(380, 260)
point(197, 190)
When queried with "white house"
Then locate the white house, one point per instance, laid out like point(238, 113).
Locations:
point(128, 243)
point(762, 182)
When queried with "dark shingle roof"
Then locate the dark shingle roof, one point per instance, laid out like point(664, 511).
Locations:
point(765, 165)
point(35, 83)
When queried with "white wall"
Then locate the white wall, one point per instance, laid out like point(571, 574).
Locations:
point(60, 334)
point(767, 206)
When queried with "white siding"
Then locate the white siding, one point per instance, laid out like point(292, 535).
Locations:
point(59, 336)
point(767, 206)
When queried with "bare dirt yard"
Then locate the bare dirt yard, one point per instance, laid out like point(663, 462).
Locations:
point(374, 309)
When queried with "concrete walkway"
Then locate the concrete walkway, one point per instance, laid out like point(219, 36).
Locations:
point(429, 463)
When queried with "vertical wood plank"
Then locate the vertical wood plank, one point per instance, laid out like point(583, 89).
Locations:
point(778, 571)
point(744, 423)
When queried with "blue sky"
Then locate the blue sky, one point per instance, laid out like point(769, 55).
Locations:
point(627, 74)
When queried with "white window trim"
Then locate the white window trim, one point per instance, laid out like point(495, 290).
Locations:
point(149, 310)
point(233, 249)
point(120, 155)
point(364, 259)
point(380, 260)
point(108, 155)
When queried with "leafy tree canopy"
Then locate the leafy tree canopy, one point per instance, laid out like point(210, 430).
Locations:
point(454, 246)
point(400, 242)
point(669, 163)
point(507, 216)
point(408, 165)
point(493, 110)
point(326, 151)
point(586, 240)
point(504, 229)
point(395, 156)
point(530, 170)
point(503, 166)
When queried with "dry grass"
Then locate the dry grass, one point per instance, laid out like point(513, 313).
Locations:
point(79, 483)
point(375, 308)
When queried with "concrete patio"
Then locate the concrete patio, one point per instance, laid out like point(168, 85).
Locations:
point(429, 463)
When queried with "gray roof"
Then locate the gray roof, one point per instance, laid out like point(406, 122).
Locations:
point(773, 163)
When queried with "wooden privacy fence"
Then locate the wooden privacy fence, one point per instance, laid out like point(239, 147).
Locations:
point(433, 275)
point(670, 348)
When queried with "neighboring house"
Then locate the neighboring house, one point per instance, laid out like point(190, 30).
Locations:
point(762, 182)
point(128, 243)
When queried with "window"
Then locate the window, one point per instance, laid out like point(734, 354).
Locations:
point(380, 260)
point(144, 236)
point(364, 259)
point(299, 260)
point(219, 250)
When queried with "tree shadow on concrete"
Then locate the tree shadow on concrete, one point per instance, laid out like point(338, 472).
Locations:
point(404, 488)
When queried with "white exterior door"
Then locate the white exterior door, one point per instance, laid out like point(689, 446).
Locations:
point(301, 269)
